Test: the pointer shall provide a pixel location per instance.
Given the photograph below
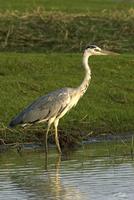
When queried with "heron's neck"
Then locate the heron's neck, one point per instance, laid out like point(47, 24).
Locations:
point(84, 85)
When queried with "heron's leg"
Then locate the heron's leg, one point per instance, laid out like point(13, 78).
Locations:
point(46, 146)
point(56, 135)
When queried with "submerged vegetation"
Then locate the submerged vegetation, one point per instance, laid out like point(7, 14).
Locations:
point(27, 71)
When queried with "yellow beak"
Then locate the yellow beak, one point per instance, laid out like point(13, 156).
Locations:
point(105, 52)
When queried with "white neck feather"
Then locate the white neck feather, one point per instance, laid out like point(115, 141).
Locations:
point(84, 85)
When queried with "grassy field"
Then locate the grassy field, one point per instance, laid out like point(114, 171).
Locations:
point(51, 35)
point(75, 6)
point(38, 31)
point(107, 107)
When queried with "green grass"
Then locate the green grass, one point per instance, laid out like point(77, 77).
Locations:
point(66, 6)
point(63, 28)
point(107, 105)
point(39, 31)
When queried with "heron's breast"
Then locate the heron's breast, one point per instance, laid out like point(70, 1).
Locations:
point(72, 103)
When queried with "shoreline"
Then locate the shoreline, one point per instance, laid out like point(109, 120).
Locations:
point(121, 138)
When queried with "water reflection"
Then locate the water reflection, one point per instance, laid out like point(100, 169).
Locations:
point(32, 181)
point(87, 173)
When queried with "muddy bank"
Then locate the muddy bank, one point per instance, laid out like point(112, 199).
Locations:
point(121, 138)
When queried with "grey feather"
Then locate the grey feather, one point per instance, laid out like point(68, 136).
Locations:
point(56, 104)
point(44, 107)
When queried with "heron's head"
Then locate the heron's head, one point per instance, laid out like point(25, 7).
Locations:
point(94, 50)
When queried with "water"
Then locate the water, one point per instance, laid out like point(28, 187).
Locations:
point(93, 172)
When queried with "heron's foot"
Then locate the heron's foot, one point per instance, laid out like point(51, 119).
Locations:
point(46, 148)
point(58, 145)
point(46, 136)
point(59, 150)
point(46, 151)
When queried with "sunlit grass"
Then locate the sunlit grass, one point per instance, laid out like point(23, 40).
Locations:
point(67, 26)
point(41, 31)
point(66, 6)
point(107, 105)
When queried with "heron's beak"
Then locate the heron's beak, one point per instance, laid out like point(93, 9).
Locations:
point(105, 52)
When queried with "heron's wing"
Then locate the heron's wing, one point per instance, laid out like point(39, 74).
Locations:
point(45, 107)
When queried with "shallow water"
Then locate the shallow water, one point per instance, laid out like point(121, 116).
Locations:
point(93, 172)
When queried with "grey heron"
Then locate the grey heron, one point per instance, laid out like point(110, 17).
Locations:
point(53, 106)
